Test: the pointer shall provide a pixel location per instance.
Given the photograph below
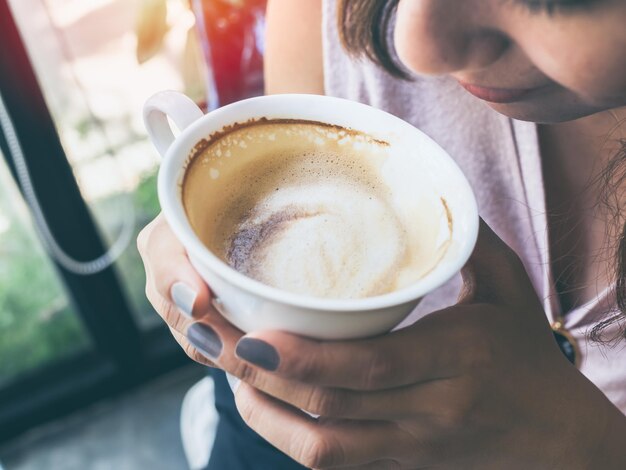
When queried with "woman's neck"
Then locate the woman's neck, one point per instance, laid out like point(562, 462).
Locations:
point(585, 147)
point(583, 229)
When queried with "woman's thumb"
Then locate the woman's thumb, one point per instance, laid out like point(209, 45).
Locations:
point(494, 273)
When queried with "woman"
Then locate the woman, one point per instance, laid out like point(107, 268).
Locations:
point(480, 382)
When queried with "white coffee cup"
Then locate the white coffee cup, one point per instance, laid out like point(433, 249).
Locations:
point(416, 164)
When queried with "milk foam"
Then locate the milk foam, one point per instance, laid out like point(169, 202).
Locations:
point(302, 207)
point(325, 240)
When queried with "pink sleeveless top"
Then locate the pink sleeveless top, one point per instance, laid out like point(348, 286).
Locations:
point(501, 159)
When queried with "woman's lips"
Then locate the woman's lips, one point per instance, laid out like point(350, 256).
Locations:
point(497, 95)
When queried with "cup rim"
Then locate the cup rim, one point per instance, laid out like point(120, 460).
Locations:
point(174, 213)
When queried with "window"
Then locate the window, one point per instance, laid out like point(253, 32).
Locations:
point(74, 96)
point(94, 85)
point(38, 325)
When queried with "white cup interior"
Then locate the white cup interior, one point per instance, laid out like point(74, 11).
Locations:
point(418, 171)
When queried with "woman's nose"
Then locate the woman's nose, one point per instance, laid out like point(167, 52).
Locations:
point(437, 37)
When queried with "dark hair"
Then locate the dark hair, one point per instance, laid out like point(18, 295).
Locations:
point(612, 180)
point(364, 31)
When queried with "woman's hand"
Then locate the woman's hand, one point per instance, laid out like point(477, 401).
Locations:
point(173, 287)
point(479, 385)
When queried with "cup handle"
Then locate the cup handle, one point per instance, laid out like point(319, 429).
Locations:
point(178, 107)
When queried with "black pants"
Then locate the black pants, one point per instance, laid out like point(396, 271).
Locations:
point(237, 447)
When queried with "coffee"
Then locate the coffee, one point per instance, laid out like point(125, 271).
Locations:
point(304, 206)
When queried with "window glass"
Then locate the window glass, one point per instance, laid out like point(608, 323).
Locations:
point(97, 62)
point(37, 322)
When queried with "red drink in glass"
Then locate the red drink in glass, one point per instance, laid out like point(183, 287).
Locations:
point(231, 34)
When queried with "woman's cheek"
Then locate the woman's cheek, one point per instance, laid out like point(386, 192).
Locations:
point(594, 69)
point(599, 81)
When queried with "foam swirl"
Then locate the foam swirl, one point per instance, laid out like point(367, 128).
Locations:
point(324, 240)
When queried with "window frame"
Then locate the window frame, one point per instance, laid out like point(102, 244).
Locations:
point(123, 356)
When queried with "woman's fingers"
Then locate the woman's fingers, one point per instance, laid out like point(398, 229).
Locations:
point(317, 444)
point(495, 274)
point(215, 338)
point(441, 402)
point(444, 402)
point(172, 284)
point(190, 350)
point(436, 347)
point(175, 290)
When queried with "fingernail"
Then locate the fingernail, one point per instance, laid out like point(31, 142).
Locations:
point(258, 353)
point(205, 340)
point(184, 297)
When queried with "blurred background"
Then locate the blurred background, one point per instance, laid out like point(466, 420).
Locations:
point(89, 377)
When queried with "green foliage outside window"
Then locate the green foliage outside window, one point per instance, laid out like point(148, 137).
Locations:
point(36, 322)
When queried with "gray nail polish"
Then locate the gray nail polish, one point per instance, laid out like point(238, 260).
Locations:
point(184, 297)
point(205, 340)
point(258, 353)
